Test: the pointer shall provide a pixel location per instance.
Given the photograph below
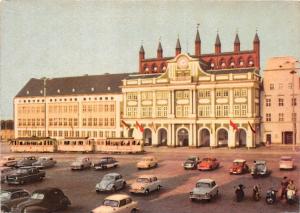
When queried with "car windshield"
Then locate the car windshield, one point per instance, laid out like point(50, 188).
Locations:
point(286, 159)
point(206, 160)
point(146, 159)
point(37, 196)
point(112, 203)
point(191, 159)
point(108, 177)
point(5, 195)
point(42, 159)
point(103, 160)
point(79, 160)
point(237, 163)
point(260, 166)
point(142, 180)
point(203, 185)
point(21, 171)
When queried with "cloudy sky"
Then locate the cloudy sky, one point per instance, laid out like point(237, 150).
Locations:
point(56, 38)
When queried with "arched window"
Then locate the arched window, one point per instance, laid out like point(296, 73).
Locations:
point(250, 62)
point(212, 64)
point(231, 62)
point(154, 68)
point(222, 63)
point(241, 62)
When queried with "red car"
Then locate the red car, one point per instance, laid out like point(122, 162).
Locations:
point(239, 166)
point(208, 164)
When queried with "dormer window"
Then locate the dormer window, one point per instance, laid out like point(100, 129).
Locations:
point(223, 64)
point(108, 88)
point(212, 65)
point(155, 68)
point(241, 63)
point(73, 90)
point(41, 91)
point(58, 91)
point(27, 92)
point(92, 89)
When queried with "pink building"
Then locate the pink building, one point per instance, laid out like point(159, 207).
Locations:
point(281, 101)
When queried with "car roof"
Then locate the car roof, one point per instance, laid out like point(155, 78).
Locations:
point(205, 181)
point(4, 167)
point(6, 157)
point(112, 174)
point(260, 162)
point(45, 157)
point(80, 158)
point(286, 157)
point(239, 161)
point(117, 197)
point(192, 156)
point(46, 190)
point(105, 158)
point(146, 176)
point(209, 158)
point(147, 157)
point(12, 189)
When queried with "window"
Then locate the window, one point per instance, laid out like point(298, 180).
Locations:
point(203, 93)
point(132, 96)
point(84, 122)
point(162, 95)
point(294, 102)
point(290, 85)
point(244, 92)
point(294, 116)
point(236, 110)
point(112, 121)
point(243, 109)
point(268, 117)
point(95, 121)
point(280, 117)
point(268, 102)
point(204, 110)
point(161, 111)
point(218, 111)
point(280, 102)
point(131, 112)
point(280, 86)
point(147, 95)
point(147, 111)
point(105, 121)
point(272, 86)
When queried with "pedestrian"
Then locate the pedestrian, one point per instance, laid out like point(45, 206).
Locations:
point(284, 184)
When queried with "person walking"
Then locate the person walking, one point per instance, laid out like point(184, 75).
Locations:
point(284, 184)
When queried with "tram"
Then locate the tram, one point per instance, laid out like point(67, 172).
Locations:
point(33, 144)
point(84, 144)
point(119, 145)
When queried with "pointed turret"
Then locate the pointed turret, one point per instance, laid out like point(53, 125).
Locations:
point(256, 38)
point(159, 51)
point(218, 45)
point(197, 44)
point(141, 57)
point(178, 47)
point(237, 45)
point(256, 49)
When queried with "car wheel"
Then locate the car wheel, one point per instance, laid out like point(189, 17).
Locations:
point(147, 192)
point(134, 211)
point(41, 178)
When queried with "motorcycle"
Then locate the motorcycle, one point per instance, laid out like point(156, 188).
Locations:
point(271, 196)
point(256, 193)
point(239, 193)
point(291, 196)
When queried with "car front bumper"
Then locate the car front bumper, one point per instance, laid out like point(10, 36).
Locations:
point(137, 191)
point(199, 197)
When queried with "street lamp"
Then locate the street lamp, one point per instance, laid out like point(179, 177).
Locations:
point(45, 105)
point(293, 72)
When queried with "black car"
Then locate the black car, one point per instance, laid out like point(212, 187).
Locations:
point(25, 175)
point(12, 197)
point(44, 200)
point(106, 162)
point(26, 161)
point(191, 162)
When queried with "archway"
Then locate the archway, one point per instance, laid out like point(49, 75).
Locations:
point(240, 137)
point(130, 133)
point(222, 137)
point(162, 137)
point(147, 136)
point(204, 137)
point(183, 137)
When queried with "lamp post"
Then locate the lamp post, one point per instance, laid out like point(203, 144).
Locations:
point(293, 72)
point(45, 105)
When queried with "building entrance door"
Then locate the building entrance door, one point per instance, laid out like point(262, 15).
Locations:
point(268, 139)
point(287, 137)
point(183, 137)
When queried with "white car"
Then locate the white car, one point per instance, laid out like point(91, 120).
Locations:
point(147, 162)
point(205, 189)
point(81, 163)
point(145, 184)
point(8, 161)
point(117, 203)
point(286, 162)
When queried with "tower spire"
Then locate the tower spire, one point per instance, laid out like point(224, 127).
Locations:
point(178, 47)
point(159, 49)
point(237, 45)
point(218, 44)
point(197, 42)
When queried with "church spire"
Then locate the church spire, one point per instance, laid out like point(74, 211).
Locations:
point(218, 44)
point(237, 45)
point(197, 43)
point(159, 50)
point(178, 47)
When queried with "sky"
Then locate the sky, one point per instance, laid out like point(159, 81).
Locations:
point(57, 38)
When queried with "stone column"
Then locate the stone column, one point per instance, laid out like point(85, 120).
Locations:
point(169, 135)
point(154, 104)
point(249, 139)
point(231, 103)
point(231, 137)
point(139, 111)
point(191, 139)
point(174, 137)
point(250, 101)
point(212, 100)
point(213, 136)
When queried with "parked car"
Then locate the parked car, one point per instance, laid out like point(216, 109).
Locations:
point(26, 161)
point(44, 162)
point(239, 166)
point(260, 169)
point(111, 182)
point(45, 200)
point(145, 184)
point(12, 197)
point(191, 162)
point(147, 163)
point(25, 175)
point(208, 164)
point(81, 163)
point(118, 203)
point(286, 162)
point(205, 189)
point(4, 171)
point(106, 162)
point(8, 161)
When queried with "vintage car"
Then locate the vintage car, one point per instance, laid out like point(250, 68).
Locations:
point(239, 166)
point(191, 162)
point(145, 184)
point(4, 171)
point(147, 163)
point(117, 203)
point(44, 162)
point(8, 161)
point(81, 163)
point(111, 182)
point(25, 175)
point(26, 161)
point(12, 197)
point(208, 164)
point(205, 189)
point(260, 168)
point(286, 162)
point(45, 200)
point(106, 162)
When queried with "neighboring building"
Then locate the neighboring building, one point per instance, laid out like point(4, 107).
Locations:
point(7, 130)
point(280, 96)
point(191, 99)
point(72, 107)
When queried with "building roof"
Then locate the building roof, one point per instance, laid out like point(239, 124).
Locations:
point(77, 85)
point(281, 63)
point(233, 70)
point(143, 76)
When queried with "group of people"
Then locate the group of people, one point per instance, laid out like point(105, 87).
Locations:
point(286, 184)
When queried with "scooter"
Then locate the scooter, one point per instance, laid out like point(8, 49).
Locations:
point(256, 193)
point(291, 196)
point(239, 193)
point(271, 196)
